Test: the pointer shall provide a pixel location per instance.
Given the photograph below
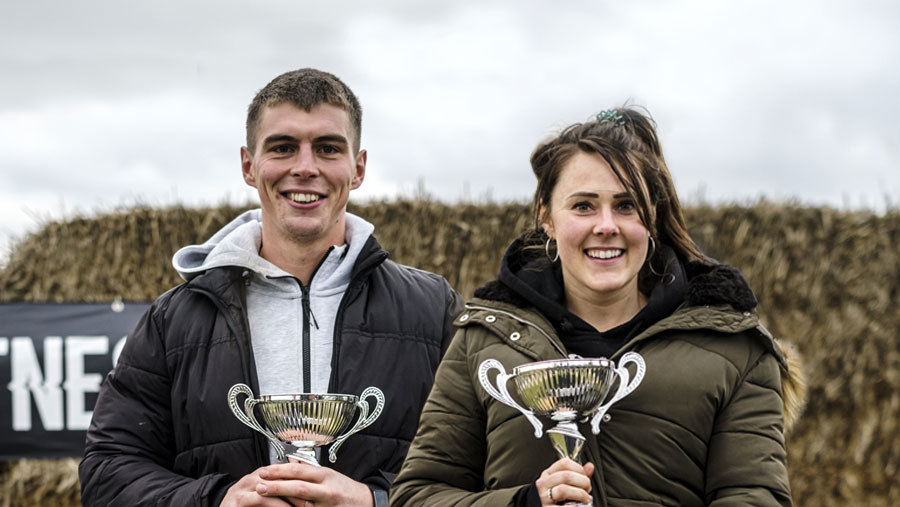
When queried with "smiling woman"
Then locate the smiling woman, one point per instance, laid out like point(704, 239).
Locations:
point(608, 270)
point(601, 241)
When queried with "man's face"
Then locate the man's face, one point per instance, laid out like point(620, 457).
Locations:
point(303, 167)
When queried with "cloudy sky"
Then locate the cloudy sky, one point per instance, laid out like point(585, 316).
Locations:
point(108, 103)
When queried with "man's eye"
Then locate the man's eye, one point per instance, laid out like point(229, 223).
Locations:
point(329, 149)
point(283, 148)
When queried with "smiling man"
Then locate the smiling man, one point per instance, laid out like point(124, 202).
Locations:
point(294, 297)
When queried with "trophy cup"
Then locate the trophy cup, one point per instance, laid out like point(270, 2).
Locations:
point(305, 421)
point(565, 390)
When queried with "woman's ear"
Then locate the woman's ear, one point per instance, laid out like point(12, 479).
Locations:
point(546, 222)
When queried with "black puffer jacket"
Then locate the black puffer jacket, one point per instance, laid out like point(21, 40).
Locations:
point(162, 432)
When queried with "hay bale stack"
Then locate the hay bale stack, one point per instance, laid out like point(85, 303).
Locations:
point(124, 254)
point(827, 281)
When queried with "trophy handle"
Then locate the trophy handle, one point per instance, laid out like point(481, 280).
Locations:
point(503, 394)
point(364, 419)
point(626, 385)
point(246, 415)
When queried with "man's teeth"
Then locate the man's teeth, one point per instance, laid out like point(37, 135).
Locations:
point(604, 254)
point(302, 198)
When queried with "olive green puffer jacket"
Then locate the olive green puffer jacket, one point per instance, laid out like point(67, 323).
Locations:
point(705, 427)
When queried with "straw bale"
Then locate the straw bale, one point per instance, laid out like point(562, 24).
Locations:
point(40, 482)
point(827, 282)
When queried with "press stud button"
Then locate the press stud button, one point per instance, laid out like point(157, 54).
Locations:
point(490, 318)
point(515, 336)
point(464, 318)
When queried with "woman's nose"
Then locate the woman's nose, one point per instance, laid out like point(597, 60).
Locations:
point(606, 224)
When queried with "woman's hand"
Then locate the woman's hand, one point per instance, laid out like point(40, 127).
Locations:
point(565, 480)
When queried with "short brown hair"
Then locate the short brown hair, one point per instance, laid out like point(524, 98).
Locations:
point(626, 138)
point(305, 88)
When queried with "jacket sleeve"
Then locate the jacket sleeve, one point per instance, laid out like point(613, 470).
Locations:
point(130, 444)
point(747, 458)
point(453, 306)
point(445, 463)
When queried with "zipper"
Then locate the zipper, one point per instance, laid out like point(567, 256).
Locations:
point(307, 313)
point(521, 320)
point(307, 317)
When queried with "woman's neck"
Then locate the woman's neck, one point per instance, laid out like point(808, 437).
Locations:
point(604, 312)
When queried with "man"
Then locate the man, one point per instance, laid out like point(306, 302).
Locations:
point(295, 297)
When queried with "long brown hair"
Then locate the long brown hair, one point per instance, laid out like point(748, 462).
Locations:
point(626, 138)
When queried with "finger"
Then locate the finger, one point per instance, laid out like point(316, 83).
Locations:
point(566, 492)
point(570, 478)
point(251, 499)
point(287, 488)
point(589, 469)
point(295, 471)
point(565, 464)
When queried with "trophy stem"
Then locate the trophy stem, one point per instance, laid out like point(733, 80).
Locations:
point(567, 440)
point(304, 454)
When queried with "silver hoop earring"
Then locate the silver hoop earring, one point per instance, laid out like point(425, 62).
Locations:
point(547, 251)
point(649, 263)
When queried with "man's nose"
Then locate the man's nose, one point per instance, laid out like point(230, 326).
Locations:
point(305, 164)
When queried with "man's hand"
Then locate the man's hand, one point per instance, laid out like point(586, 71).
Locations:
point(302, 484)
point(243, 492)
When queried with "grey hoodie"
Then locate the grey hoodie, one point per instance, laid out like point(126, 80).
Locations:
point(275, 301)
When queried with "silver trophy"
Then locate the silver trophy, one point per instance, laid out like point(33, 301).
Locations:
point(565, 390)
point(305, 421)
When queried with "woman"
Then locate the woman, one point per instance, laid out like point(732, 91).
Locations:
point(610, 268)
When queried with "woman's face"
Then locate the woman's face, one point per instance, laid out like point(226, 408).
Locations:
point(601, 241)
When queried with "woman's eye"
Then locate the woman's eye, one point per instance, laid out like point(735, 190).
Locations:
point(626, 206)
point(581, 206)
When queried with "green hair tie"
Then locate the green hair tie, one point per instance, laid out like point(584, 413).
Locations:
point(609, 115)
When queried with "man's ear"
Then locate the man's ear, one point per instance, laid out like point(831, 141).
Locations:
point(247, 167)
point(360, 168)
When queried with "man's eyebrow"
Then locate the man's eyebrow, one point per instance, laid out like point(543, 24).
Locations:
point(332, 138)
point(279, 138)
point(327, 138)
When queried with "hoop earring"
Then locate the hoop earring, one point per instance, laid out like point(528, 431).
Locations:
point(650, 253)
point(547, 251)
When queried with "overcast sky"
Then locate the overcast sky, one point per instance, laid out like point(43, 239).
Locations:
point(107, 103)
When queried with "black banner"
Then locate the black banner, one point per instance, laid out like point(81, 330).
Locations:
point(53, 358)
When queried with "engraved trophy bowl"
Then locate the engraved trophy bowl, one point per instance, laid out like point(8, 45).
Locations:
point(305, 421)
point(566, 391)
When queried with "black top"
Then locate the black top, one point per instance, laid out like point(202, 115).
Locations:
point(541, 284)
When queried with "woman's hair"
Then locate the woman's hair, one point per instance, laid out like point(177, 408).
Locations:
point(626, 138)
